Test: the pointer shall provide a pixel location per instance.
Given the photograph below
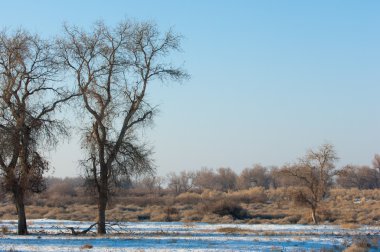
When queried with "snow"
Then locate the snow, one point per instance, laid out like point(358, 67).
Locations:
point(53, 235)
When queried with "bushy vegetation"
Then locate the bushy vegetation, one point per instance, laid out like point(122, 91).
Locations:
point(257, 195)
point(68, 199)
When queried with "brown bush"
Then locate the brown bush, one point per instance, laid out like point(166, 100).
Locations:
point(188, 198)
point(228, 207)
point(86, 246)
point(359, 244)
point(4, 230)
point(252, 195)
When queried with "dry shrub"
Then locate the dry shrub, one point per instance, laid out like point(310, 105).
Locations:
point(233, 230)
point(212, 195)
point(60, 201)
point(252, 195)
point(191, 216)
point(228, 207)
point(355, 248)
point(165, 214)
point(4, 230)
point(373, 194)
point(86, 246)
point(188, 198)
point(346, 194)
point(211, 218)
point(37, 212)
point(146, 200)
point(350, 226)
point(143, 217)
point(172, 213)
point(359, 244)
point(294, 219)
point(325, 214)
point(277, 196)
point(160, 217)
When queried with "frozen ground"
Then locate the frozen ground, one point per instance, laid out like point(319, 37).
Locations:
point(53, 235)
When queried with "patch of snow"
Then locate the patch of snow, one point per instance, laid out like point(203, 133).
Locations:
point(53, 235)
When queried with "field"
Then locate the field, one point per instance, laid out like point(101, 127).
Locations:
point(54, 235)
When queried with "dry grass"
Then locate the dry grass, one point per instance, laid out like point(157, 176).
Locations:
point(350, 226)
point(188, 198)
point(233, 230)
point(4, 230)
point(86, 246)
point(255, 205)
point(355, 248)
point(252, 195)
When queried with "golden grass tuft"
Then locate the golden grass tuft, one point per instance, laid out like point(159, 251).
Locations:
point(86, 246)
point(355, 248)
point(233, 230)
point(350, 226)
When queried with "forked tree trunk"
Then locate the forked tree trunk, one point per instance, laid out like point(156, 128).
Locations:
point(20, 207)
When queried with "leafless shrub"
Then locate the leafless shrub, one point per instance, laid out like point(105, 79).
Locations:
point(188, 198)
point(257, 176)
point(183, 182)
point(226, 208)
point(252, 195)
point(4, 230)
point(86, 246)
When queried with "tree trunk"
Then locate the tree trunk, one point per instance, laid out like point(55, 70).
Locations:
point(314, 216)
point(102, 205)
point(19, 202)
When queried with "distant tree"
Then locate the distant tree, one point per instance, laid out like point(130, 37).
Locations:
point(361, 177)
point(255, 176)
point(174, 183)
point(151, 183)
point(276, 178)
point(114, 69)
point(226, 179)
point(376, 165)
point(183, 182)
point(205, 179)
point(314, 174)
point(67, 187)
point(29, 96)
point(376, 162)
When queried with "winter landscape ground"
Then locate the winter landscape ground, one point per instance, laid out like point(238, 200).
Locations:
point(54, 235)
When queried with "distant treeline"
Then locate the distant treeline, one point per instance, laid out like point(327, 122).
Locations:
point(221, 179)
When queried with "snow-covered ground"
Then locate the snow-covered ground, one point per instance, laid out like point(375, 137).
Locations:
point(53, 235)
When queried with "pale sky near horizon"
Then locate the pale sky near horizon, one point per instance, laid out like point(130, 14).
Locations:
point(269, 79)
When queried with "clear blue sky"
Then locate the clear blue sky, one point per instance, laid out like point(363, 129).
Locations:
point(270, 79)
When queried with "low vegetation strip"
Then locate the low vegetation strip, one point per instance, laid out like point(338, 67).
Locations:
point(275, 206)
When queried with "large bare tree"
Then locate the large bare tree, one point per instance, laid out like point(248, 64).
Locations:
point(113, 69)
point(29, 96)
point(313, 174)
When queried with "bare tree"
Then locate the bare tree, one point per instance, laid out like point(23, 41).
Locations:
point(226, 179)
point(113, 69)
point(376, 165)
point(205, 179)
point(314, 174)
point(255, 176)
point(376, 162)
point(183, 182)
point(150, 183)
point(29, 96)
point(361, 177)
